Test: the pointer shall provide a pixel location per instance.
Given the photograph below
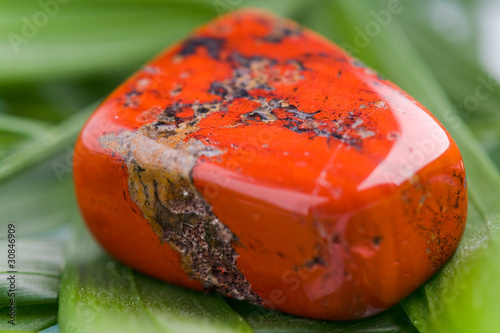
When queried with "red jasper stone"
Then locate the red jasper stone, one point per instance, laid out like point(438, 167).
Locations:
point(258, 159)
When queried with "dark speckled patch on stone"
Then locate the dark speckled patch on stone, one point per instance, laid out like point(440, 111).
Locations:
point(252, 73)
point(161, 155)
point(212, 45)
point(281, 30)
point(160, 163)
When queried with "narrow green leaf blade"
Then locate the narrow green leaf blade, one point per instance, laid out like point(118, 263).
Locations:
point(27, 127)
point(88, 37)
point(39, 149)
point(98, 294)
point(40, 201)
point(488, 130)
point(267, 321)
point(29, 318)
point(37, 267)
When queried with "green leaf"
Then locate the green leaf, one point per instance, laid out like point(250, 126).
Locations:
point(467, 286)
point(41, 200)
point(87, 37)
point(267, 321)
point(475, 95)
point(39, 205)
point(38, 265)
point(93, 38)
point(49, 103)
point(467, 84)
point(27, 127)
point(488, 132)
point(98, 294)
point(43, 146)
point(29, 318)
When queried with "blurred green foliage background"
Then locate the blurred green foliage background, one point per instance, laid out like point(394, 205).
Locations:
point(59, 58)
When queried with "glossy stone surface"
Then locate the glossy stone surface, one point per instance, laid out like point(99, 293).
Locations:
point(259, 160)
